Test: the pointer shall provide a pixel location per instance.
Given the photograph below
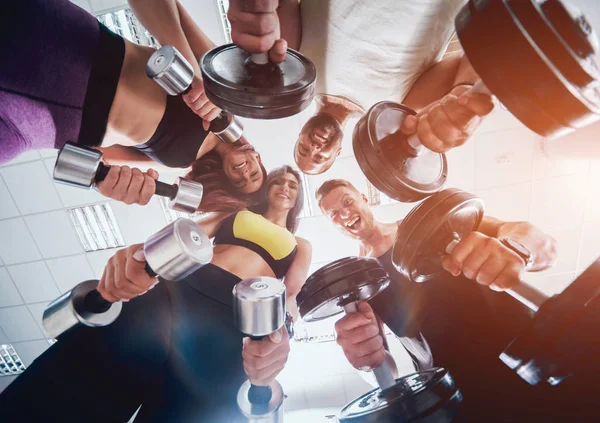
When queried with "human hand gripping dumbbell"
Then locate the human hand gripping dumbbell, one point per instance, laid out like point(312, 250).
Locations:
point(82, 167)
point(172, 253)
point(169, 69)
point(337, 287)
point(259, 313)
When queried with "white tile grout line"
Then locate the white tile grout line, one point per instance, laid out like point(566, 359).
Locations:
point(15, 285)
point(583, 217)
point(6, 165)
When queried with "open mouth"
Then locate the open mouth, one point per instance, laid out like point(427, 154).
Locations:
point(282, 196)
point(240, 166)
point(353, 223)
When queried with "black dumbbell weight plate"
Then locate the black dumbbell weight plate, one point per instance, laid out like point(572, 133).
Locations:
point(328, 289)
point(427, 396)
point(541, 93)
point(427, 230)
point(270, 91)
point(385, 158)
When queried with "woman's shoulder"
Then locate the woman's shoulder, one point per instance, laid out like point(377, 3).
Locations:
point(303, 243)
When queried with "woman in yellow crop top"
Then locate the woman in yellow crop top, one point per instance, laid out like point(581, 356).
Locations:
point(175, 349)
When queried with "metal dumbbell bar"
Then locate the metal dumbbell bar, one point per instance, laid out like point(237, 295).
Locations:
point(172, 253)
point(259, 310)
point(82, 167)
point(169, 69)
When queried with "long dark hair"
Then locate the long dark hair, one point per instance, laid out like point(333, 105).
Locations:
point(219, 193)
point(263, 204)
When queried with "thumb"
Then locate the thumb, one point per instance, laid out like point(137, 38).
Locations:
point(275, 337)
point(139, 256)
point(278, 51)
point(409, 125)
point(366, 310)
point(153, 174)
point(205, 125)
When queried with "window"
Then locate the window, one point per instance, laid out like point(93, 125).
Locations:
point(96, 227)
point(223, 6)
point(10, 362)
point(124, 23)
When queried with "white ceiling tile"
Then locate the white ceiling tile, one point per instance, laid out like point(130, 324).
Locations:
point(354, 385)
point(17, 245)
point(545, 167)
point(558, 203)
point(393, 212)
point(294, 399)
point(8, 207)
point(592, 206)
point(503, 158)
point(590, 247)
point(74, 196)
point(328, 243)
point(54, 234)
point(129, 217)
point(31, 187)
point(510, 203)
point(550, 284)
point(5, 381)
point(37, 311)
point(568, 241)
point(34, 281)
point(30, 350)
point(3, 338)
point(106, 5)
point(461, 167)
point(70, 271)
point(84, 4)
point(499, 120)
point(18, 324)
point(27, 156)
point(49, 152)
point(326, 392)
point(98, 260)
point(9, 295)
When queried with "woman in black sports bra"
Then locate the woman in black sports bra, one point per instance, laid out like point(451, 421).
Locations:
point(175, 349)
point(71, 79)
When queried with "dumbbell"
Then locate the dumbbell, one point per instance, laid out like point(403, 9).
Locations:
point(169, 69)
point(544, 70)
point(253, 87)
point(173, 253)
point(427, 396)
point(259, 310)
point(434, 227)
point(82, 167)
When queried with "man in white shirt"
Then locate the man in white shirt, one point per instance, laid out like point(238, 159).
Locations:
point(366, 52)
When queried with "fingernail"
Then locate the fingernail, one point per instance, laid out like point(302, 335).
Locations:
point(410, 122)
point(276, 337)
point(245, 340)
point(281, 47)
point(139, 255)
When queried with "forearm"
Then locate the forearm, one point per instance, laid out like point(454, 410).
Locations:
point(161, 18)
point(439, 80)
point(290, 22)
point(543, 247)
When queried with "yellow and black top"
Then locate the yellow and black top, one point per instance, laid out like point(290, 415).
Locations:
point(275, 244)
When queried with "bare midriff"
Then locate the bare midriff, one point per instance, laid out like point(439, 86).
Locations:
point(240, 261)
point(139, 103)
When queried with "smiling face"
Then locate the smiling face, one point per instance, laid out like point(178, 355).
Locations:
point(318, 144)
point(283, 192)
point(244, 171)
point(349, 211)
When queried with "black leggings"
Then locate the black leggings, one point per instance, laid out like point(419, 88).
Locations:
point(173, 350)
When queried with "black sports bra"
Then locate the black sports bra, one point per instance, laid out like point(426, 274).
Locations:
point(275, 244)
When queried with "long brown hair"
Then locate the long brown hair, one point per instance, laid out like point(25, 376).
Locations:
point(219, 193)
point(261, 207)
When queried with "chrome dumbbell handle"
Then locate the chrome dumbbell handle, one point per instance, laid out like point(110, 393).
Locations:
point(383, 373)
point(169, 69)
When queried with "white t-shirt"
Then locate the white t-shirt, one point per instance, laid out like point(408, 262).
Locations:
point(374, 50)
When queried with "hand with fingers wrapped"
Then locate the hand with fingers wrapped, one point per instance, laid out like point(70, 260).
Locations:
point(361, 337)
point(266, 358)
point(198, 102)
point(255, 27)
point(450, 121)
point(129, 185)
point(487, 261)
point(125, 275)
